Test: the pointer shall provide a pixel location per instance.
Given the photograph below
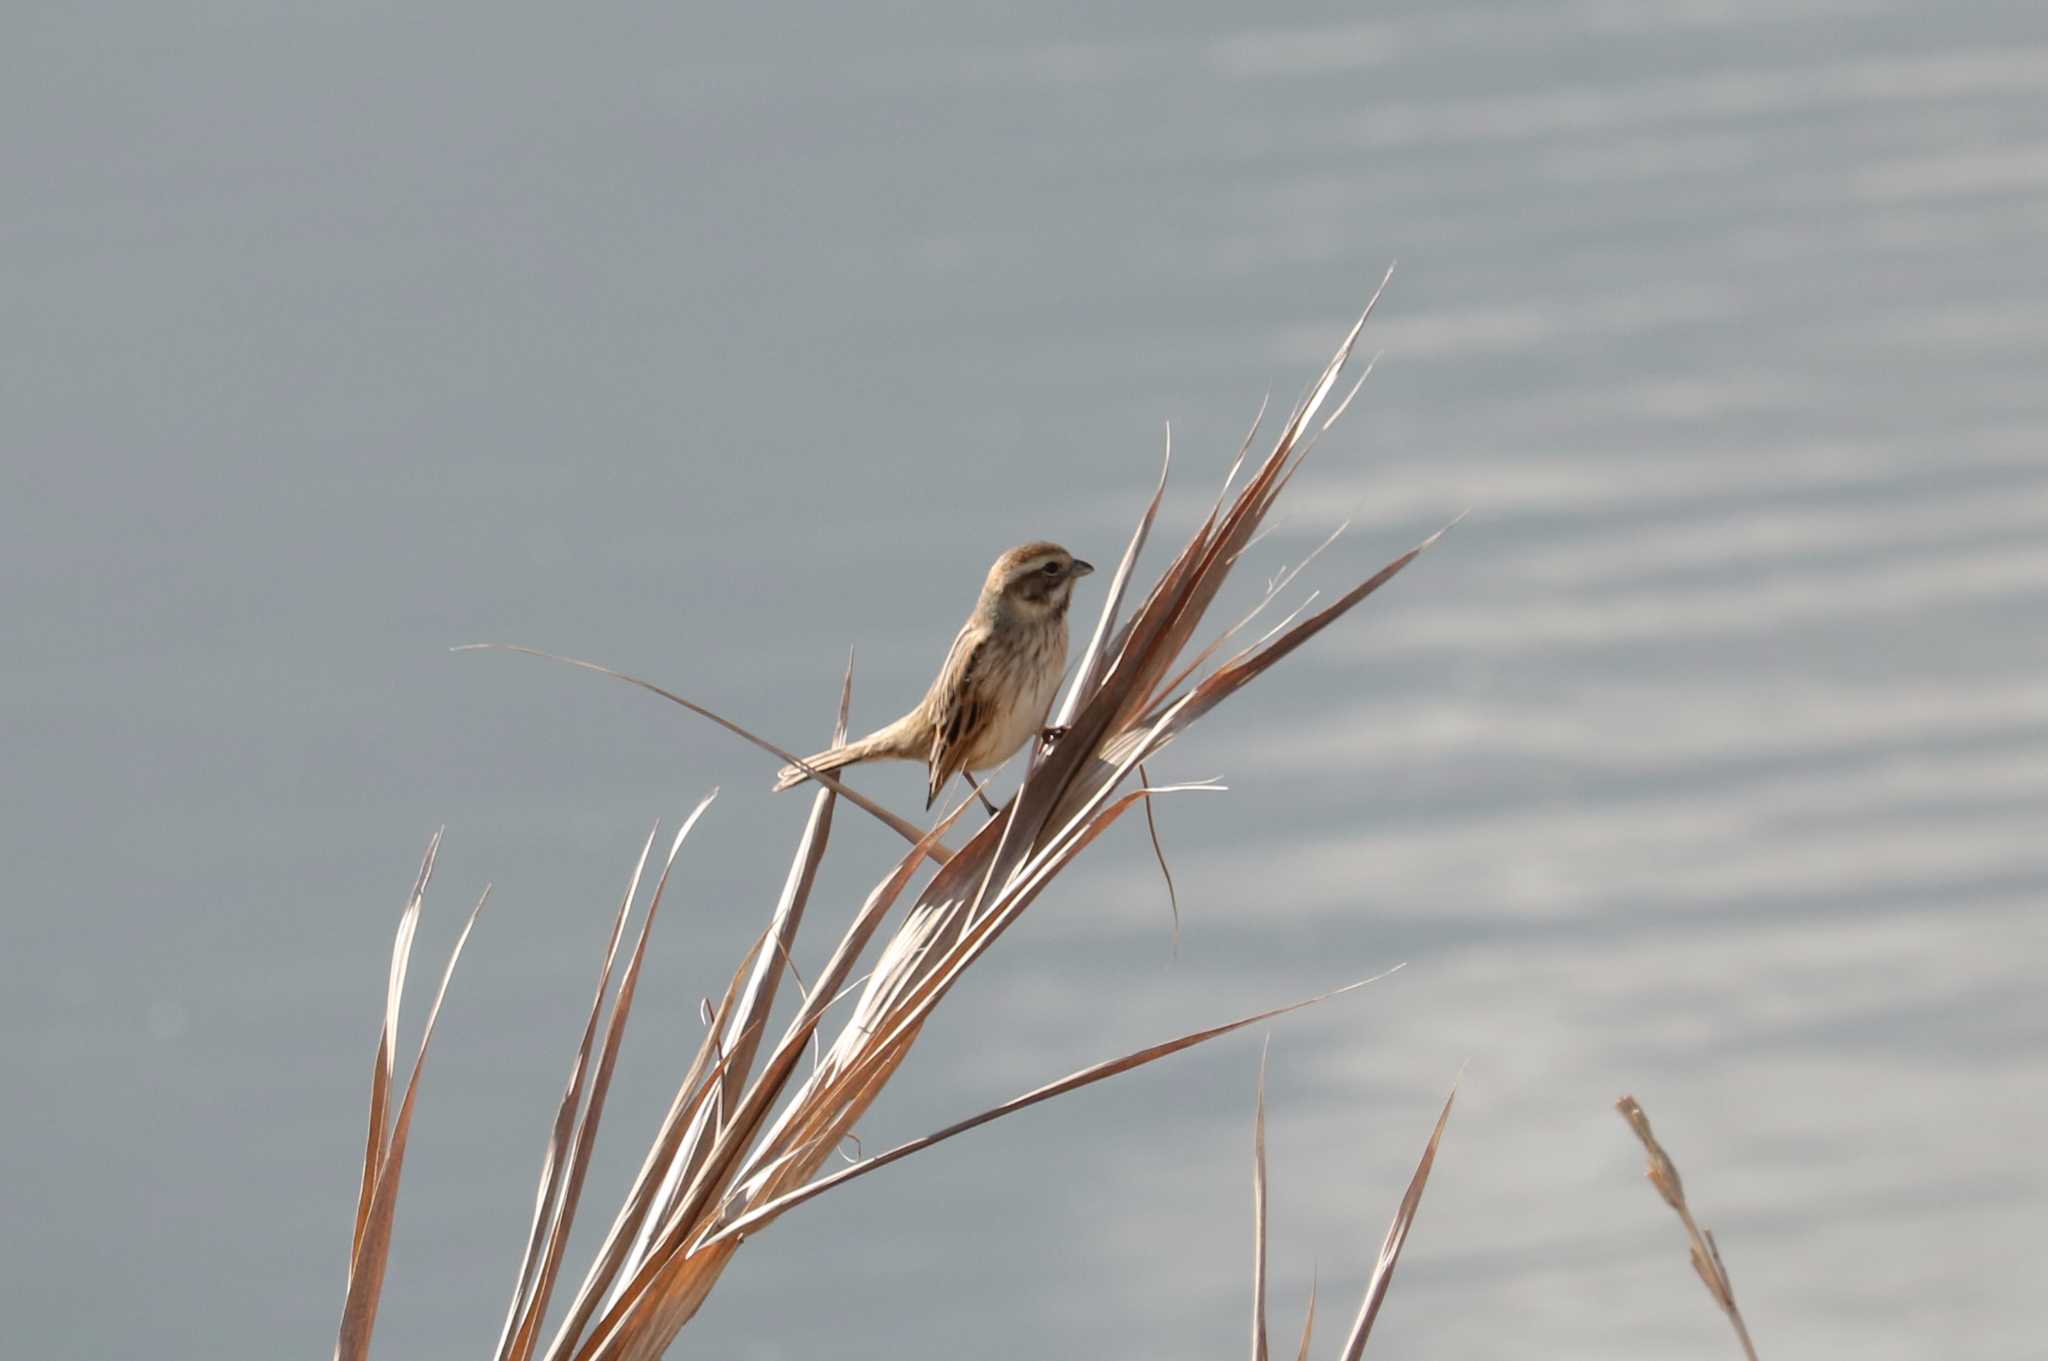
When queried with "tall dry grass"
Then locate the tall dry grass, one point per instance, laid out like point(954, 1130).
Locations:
point(758, 1112)
point(1706, 1253)
point(1390, 1247)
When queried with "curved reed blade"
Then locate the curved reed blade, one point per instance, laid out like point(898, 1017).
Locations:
point(909, 831)
point(743, 1017)
point(754, 1219)
point(1240, 671)
point(758, 1000)
point(1244, 450)
point(1259, 1352)
point(587, 1127)
point(366, 1270)
point(1089, 671)
point(387, 1045)
point(1308, 1326)
point(576, 1122)
point(1397, 1236)
point(891, 1015)
point(634, 1219)
point(544, 1200)
point(657, 1292)
point(1159, 855)
point(1273, 590)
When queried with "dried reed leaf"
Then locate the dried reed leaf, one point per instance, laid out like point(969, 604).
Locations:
point(700, 1088)
point(907, 830)
point(744, 1023)
point(951, 954)
point(1308, 1326)
point(560, 1138)
point(1397, 1236)
point(759, 998)
point(1196, 577)
point(1089, 670)
point(387, 1045)
point(577, 1122)
point(699, 1118)
point(1108, 1068)
point(1259, 1352)
point(1159, 854)
point(699, 1085)
point(1273, 590)
point(1234, 675)
point(658, 1289)
point(1706, 1253)
point(586, 1133)
point(1366, 373)
point(1244, 450)
point(373, 1254)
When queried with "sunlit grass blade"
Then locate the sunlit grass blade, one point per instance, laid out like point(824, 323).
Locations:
point(1308, 1324)
point(1089, 670)
point(1234, 675)
point(1273, 590)
point(577, 1122)
point(750, 1021)
point(553, 1160)
point(373, 1255)
point(1397, 1237)
point(1108, 1068)
point(387, 1045)
point(1259, 1352)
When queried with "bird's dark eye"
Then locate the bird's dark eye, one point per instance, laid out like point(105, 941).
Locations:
point(1051, 569)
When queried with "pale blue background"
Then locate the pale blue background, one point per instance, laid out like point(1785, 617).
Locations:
point(1707, 760)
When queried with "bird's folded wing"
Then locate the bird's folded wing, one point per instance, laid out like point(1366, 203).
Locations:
point(956, 708)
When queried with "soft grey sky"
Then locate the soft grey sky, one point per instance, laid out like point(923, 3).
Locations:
point(1707, 760)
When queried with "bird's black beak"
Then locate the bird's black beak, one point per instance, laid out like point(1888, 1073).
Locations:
point(1080, 568)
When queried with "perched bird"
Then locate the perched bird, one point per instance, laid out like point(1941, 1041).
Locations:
point(997, 684)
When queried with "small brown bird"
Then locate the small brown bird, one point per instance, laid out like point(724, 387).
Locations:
point(997, 684)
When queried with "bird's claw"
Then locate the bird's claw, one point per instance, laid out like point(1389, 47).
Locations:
point(1051, 735)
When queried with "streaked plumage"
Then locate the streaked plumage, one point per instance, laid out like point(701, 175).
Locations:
point(998, 681)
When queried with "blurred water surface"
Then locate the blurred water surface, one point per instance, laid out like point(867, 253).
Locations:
point(1707, 760)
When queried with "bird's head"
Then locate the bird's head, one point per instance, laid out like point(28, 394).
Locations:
point(1034, 581)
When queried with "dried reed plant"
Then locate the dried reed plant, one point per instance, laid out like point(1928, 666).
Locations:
point(1706, 1253)
point(1390, 1246)
point(752, 1123)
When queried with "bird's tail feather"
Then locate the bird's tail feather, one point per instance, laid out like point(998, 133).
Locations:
point(892, 742)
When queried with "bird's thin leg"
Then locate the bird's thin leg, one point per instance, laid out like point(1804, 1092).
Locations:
point(980, 793)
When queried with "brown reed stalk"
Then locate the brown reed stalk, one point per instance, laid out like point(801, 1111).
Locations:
point(1706, 1253)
